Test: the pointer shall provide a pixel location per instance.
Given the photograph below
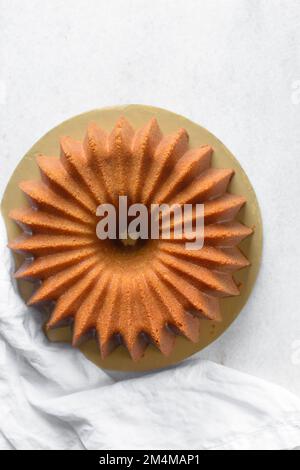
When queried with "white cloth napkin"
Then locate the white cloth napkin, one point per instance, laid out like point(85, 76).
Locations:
point(51, 397)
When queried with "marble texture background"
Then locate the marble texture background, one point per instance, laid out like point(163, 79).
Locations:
point(233, 66)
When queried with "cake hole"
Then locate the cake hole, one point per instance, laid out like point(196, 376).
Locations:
point(129, 244)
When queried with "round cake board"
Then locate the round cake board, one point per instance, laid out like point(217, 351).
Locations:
point(250, 215)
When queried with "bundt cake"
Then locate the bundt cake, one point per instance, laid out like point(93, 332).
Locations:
point(128, 291)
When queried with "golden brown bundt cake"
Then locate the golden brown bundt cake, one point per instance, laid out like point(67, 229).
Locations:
point(133, 293)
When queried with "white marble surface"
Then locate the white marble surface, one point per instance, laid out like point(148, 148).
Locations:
point(232, 66)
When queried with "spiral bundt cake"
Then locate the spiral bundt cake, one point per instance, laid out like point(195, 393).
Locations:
point(130, 293)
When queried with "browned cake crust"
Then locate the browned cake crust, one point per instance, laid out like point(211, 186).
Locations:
point(141, 294)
